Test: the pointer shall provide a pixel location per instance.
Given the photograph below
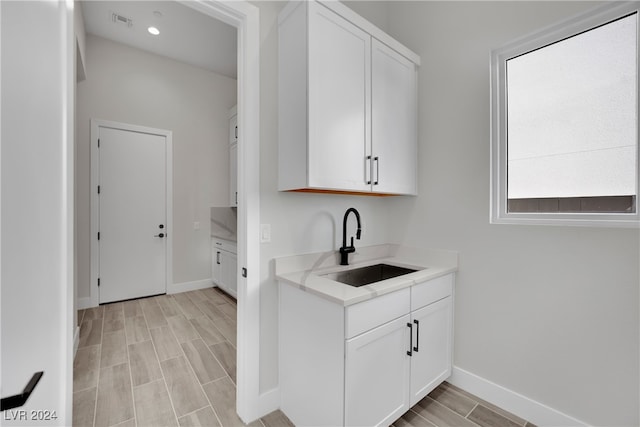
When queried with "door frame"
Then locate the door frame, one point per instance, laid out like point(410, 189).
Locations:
point(95, 201)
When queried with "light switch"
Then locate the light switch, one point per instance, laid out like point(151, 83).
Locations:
point(265, 233)
point(196, 225)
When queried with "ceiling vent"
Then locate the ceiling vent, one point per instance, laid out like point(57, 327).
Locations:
point(122, 20)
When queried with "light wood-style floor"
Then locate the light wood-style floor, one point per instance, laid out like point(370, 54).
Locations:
point(170, 360)
point(162, 361)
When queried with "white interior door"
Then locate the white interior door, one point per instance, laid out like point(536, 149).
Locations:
point(133, 236)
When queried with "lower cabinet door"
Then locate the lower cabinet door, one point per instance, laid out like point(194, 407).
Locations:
point(228, 278)
point(377, 374)
point(431, 358)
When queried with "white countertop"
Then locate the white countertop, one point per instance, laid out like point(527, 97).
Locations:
point(229, 239)
point(304, 271)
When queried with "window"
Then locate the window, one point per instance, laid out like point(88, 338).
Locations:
point(564, 123)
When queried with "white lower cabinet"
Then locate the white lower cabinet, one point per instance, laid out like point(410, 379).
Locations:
point(377, 375)
point(224, 266)
point(365, 364)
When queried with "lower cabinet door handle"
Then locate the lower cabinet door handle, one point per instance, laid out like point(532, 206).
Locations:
point(410, 326)
point(417, 322)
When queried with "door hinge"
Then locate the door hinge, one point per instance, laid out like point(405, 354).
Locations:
point(98, 282)
point(98, 235)
point(244, 272)
point(98, 189)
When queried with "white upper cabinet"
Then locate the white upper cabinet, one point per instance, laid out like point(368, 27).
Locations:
point(347, 104)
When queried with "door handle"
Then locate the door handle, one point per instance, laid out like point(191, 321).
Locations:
point(161, 235)
point(18, 400)
point(417, 322)
point(410, 326)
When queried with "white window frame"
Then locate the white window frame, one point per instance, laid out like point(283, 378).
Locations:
point(573, 26)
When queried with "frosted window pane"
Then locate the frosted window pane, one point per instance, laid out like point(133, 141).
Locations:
point(572, 116)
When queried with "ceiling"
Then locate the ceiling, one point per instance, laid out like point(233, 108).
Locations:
point(186, 35)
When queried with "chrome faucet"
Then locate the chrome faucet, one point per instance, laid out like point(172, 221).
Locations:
point(346, 250)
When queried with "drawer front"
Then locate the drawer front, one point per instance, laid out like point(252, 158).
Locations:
point(224, 245)
point(367, 315)
point(431, 291)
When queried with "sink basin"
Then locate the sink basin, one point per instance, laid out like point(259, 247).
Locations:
point(367, 275)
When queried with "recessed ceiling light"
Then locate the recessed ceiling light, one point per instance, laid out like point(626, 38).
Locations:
point(153, 30)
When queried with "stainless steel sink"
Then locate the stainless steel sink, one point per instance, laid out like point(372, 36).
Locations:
point(367, 275)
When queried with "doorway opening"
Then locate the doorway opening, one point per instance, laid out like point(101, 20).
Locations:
point(245, 18)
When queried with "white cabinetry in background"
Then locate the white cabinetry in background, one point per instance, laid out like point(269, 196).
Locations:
point(347, 103)
point(367, 363)
point(233, 157)
point(224, 265)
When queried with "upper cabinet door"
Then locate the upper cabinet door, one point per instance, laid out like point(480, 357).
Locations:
point(394, 121)
point(339, 102)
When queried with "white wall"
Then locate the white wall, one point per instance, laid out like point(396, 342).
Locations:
point(549, 312)
point(131, 86)
point(300, 223)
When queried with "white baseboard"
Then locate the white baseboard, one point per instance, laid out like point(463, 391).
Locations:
point(176, 288)
point(171, 289)
point(85, 303)
point(76, 341)
point(522, 406)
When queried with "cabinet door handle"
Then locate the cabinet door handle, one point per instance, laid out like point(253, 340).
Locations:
point(367, 170)
point(217, 257)
point(410, 326)
point(417, 322)
point(377, 160)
